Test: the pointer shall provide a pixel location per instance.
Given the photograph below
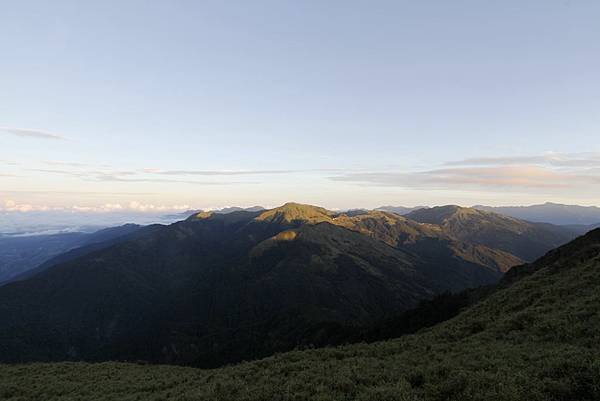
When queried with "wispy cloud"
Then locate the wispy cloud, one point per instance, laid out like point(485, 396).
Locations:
point(547, 159)
point(237, 172)
point(65, 164)
point(31, 133)
point(91, 193)
point(155, 175)
point(550, 172)
point(531, 177)
point(61, 172)
point(217, 172)
point(130, 176)
point(116, 178)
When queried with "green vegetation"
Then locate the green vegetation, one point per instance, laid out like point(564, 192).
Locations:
point(222, 288)
point(536, 337)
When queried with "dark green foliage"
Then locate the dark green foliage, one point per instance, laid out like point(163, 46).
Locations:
point(535, 338)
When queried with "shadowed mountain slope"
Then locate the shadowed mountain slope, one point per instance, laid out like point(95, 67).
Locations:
point(104, 239)
point(224, 287)
point(21, 255)
point(523, 239)
point(535, 338)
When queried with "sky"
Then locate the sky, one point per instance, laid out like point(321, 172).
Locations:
point(156, 105)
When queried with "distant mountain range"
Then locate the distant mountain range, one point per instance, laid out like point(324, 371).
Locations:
point(523, 239)
point(401, 210)
point(553, 213)
point(239, 209)
point(225, 210)
point(222, 287)
point(21, 254)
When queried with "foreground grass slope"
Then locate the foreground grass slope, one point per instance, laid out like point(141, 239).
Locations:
point(535, 338)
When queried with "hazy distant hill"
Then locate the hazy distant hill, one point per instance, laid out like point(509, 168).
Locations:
point(553, 213)
point(224, 287)
point(401, 210)
point(20, 254)
point(581, 229)
point(523, 239)
point(536, 337)
point(104, 239)
point(239, 209)
point(188, 213)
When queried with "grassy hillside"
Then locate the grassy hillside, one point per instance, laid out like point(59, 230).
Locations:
point(535, 338)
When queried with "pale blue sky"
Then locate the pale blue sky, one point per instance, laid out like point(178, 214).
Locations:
point(339, 103)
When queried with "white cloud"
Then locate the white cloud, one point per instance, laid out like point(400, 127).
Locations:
point(152, 208)
point(10, 205)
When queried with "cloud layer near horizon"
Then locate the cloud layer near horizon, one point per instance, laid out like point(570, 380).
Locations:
point(549, 176)
point(10, 205)
point(551, 171)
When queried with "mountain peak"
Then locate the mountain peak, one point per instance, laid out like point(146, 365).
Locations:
point(438, 214)
point(202, 215)
point(295, 212)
